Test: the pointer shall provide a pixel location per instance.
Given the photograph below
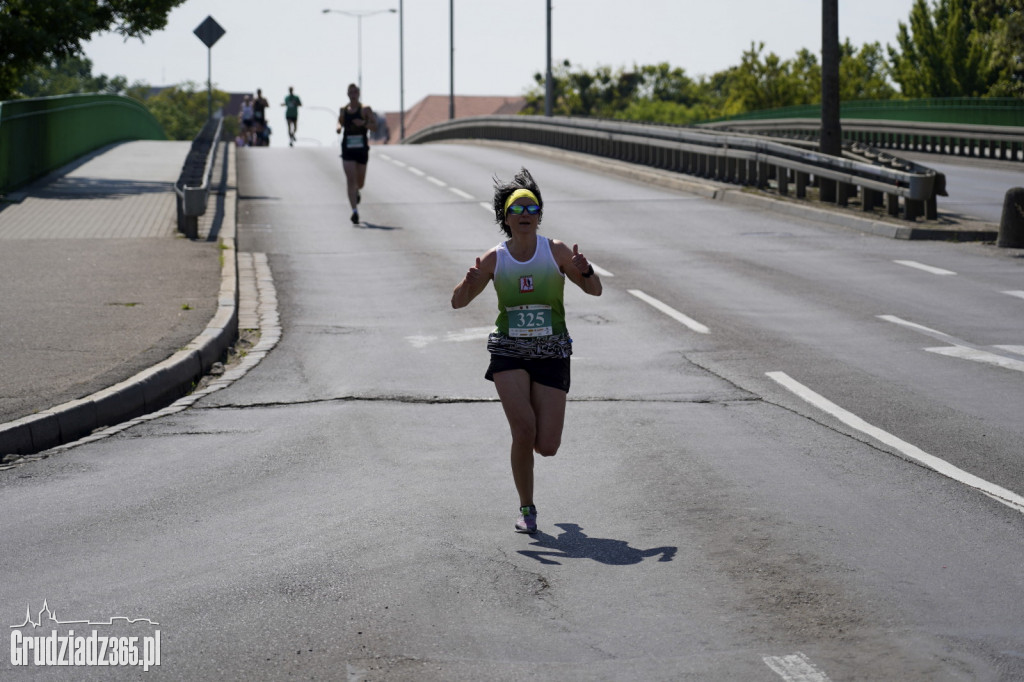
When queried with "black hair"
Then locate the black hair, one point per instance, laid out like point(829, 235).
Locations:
point(503, 190)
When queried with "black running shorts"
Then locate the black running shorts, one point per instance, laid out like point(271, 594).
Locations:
point(553, 372)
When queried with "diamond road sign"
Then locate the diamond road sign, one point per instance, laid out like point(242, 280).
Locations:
point(209, 31)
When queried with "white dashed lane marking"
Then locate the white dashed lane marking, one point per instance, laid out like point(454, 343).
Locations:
point(959, 348)
point(926, 268)
point(795, 668)
point(687, 321)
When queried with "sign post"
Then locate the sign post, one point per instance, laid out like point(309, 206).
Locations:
point(209, 32)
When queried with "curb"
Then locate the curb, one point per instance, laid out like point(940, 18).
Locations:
point(720, 191)
point(153, 388)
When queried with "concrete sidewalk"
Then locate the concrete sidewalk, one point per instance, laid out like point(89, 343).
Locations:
point(107, 312)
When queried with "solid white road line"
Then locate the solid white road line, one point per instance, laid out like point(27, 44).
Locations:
point(464, 195)
point(1018, 294)
point(795, 668)
point(926, 268)
point(1000, 494)
point(693, 324)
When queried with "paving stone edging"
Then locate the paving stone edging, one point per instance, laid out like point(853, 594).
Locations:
point(157, 386)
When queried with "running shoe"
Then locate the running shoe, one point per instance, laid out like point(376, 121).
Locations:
point(527, 521)
point(355, 217)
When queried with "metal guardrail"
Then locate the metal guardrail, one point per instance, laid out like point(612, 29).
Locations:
point(989, 111)
point(744, 159)
point(954, 139)
point(193, 185)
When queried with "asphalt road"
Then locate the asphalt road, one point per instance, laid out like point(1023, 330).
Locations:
point(976, 187)
point(345, 510)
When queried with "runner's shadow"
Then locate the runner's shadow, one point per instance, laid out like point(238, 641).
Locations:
point(574, 544)
point(370, 226)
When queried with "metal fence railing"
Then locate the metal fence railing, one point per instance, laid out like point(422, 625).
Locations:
point(954, 139)
point(193, 186)
point(40, 135)
point(971, 111)
point(907, 190)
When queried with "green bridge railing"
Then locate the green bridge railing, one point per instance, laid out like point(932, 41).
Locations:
point(991, 111)
point(40, 135)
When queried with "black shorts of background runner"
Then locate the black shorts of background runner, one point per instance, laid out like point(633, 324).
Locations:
point(358, 155)
point(553, 372)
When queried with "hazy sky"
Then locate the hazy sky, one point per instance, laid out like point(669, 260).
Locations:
point(271, 44)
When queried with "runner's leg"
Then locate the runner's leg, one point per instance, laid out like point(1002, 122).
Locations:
point(352, 179)
point(514, 391)
point(549, 410)
point(362, 175)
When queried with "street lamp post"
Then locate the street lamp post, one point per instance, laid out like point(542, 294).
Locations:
point(401, 71)
point(549, 85)
point(451, 59)
point(359, 14)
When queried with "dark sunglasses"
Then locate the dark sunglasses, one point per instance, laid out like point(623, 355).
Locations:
point(517, 209)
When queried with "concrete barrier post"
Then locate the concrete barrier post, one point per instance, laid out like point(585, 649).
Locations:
point(1011, 226)
point(801, 184)
point(783, 181)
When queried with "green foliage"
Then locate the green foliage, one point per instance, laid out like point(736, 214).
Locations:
point(661, 93)
point(954, 48)
point(68, 76)
point(1002, 26)
point(863, 73)
point(182, 110)
point(46, 31)
point(960, 48)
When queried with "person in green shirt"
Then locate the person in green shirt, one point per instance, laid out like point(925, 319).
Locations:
point(530, 346)
point(291, 114)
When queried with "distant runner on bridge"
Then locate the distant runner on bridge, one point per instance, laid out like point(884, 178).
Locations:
point(530, 348)
point(291, 114)
point(354, 122)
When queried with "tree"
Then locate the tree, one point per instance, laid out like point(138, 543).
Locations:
point(68, 76)
point(763, 82)
point(945, 51)
point(862, 73)
point(182, 109)
point(42, 31)
point(1002, 25)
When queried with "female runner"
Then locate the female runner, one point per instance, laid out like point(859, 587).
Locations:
point(353, 123)
point(530, 348)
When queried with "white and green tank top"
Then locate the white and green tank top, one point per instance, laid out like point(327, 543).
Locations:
point(529, 293)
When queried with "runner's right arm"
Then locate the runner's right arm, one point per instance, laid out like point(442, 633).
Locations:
point(475, 281)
